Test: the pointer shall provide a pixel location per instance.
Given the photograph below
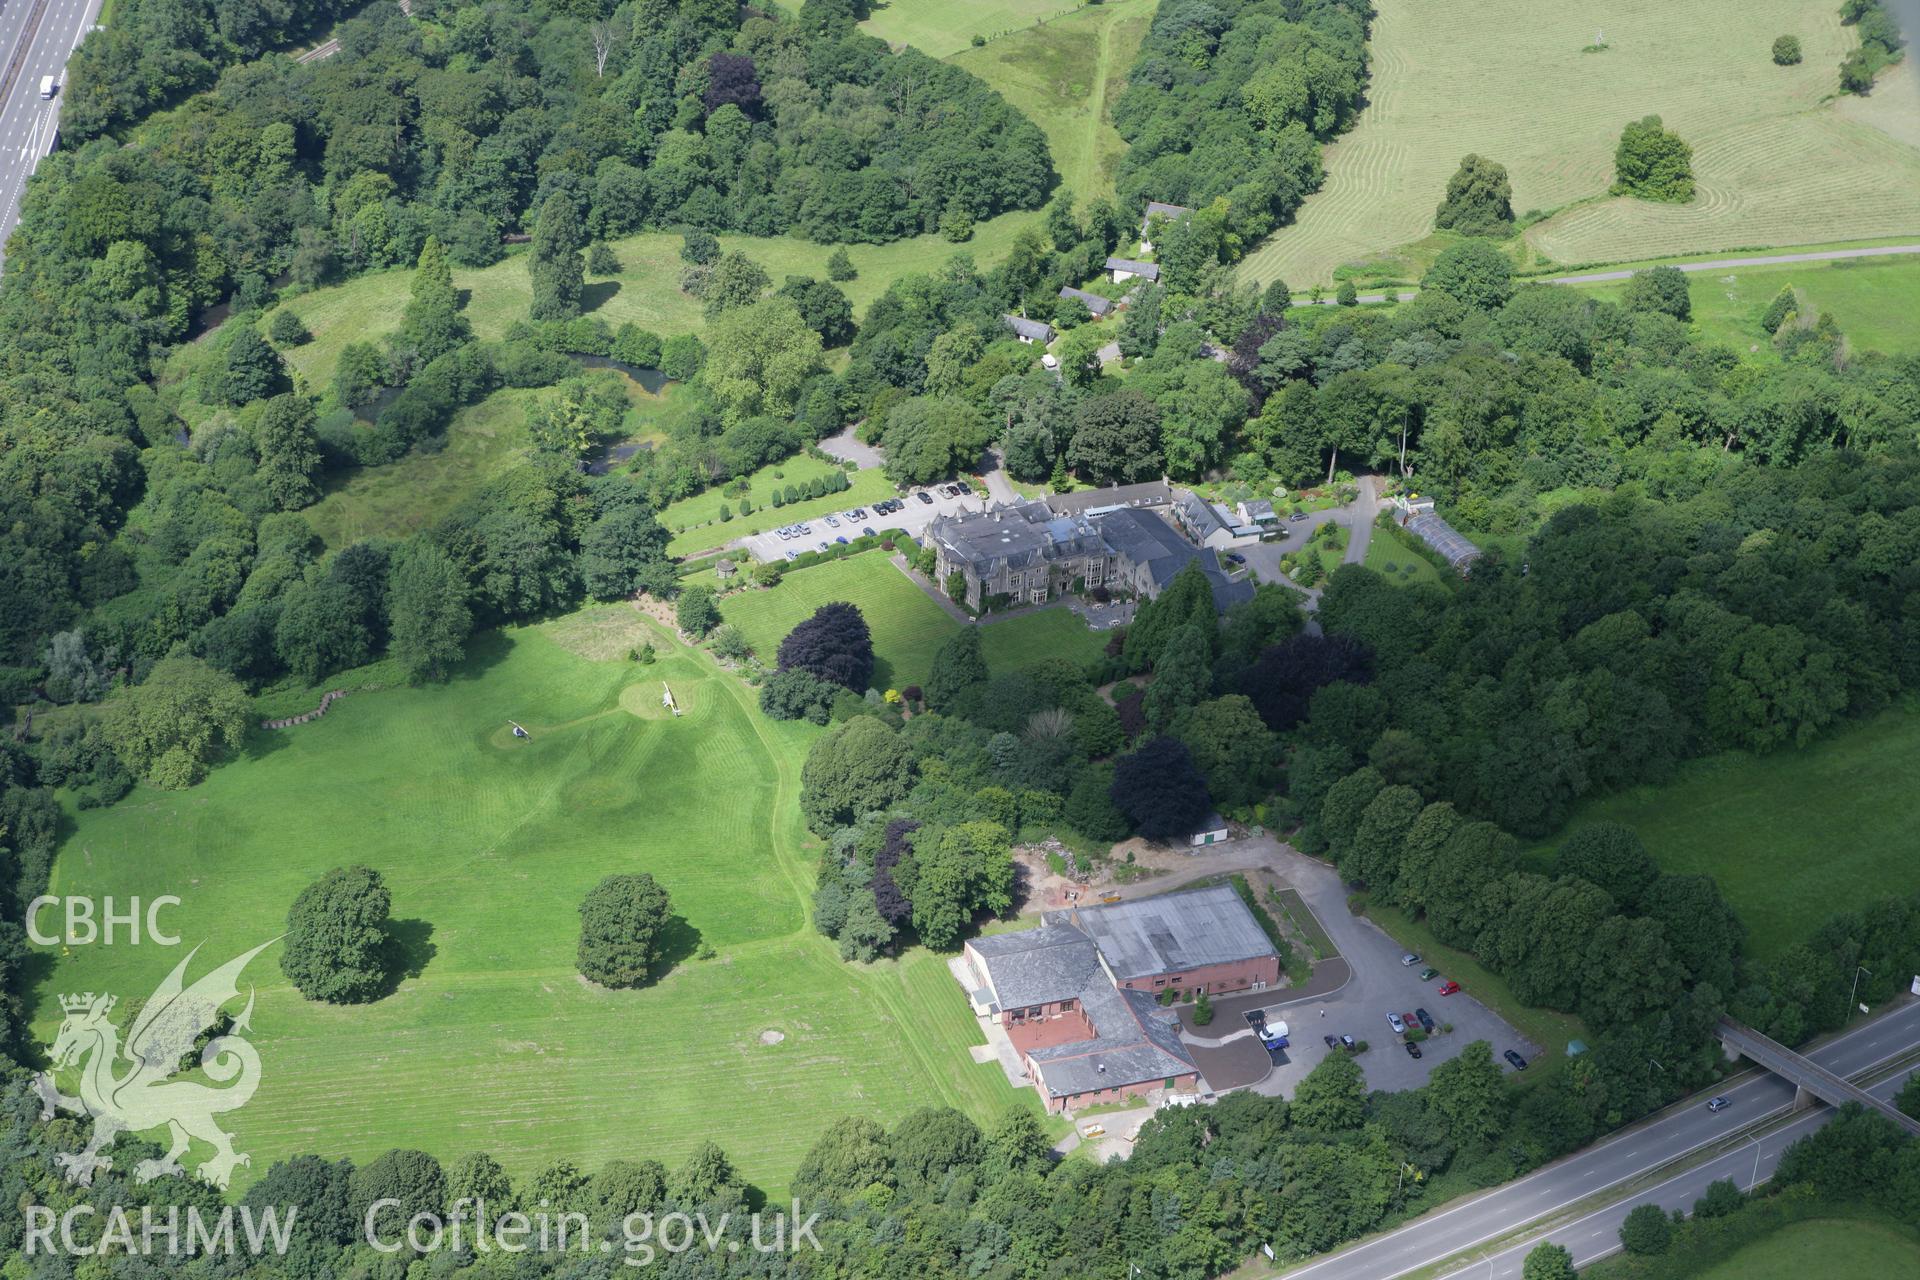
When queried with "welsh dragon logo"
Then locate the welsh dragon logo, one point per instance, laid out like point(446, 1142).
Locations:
point(145, 1096)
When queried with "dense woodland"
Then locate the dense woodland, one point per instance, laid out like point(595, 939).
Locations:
point(1718, 553)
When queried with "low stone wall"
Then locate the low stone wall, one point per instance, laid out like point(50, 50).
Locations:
point(326, 701)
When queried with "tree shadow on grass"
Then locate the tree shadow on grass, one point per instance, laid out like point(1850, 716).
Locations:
point(409, 950)
point(596, 295)
point(679, 942)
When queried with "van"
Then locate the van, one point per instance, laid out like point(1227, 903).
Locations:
point(48, 86)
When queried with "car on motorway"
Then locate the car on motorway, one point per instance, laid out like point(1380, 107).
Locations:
point(1719, 1104)
point(1398, 1024)
point(1425, 1020)
point(925, 497)
point(1449, 987)
point(1429, 973)
point(1410, 959)
point(1333, 1042)
point(1413, 1050)
point(1515, 1060)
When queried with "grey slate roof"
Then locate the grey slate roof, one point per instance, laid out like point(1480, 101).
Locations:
point(1145, 538)
point(1016, 535)
point(1096, 305)
point(1038, 966)
point(1445, 539)
point(1152, 493)
point(1034, 329)
point(1175, 931)
point(1200, 515)
point(1156, 208)
point(1260, 509)
point(1145, 270)
point(1145, 1046)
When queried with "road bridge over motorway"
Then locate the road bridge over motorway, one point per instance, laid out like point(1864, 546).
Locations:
point(1809, 1078)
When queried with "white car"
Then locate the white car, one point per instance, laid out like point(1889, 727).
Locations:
point(1399, 1026)
point(833, 522)
point(1410, 959)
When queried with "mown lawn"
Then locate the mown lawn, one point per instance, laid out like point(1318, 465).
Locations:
point(938, 28)
point(865, 488)
point(1386, 557)
point(488, 844)
point(908, 628)
point(645, 292)
point(1825, 1247)
point(1793, 837)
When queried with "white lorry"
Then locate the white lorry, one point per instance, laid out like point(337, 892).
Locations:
point(48, 86)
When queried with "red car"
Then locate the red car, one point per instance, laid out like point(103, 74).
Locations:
point(1449, 987)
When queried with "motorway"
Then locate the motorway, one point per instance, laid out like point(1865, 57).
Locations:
point(36, 38)
point(1688, 1126)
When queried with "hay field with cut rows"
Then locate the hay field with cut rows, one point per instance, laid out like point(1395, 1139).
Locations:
point(1778, 161)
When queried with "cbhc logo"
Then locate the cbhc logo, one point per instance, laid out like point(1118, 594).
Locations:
point(83, 930)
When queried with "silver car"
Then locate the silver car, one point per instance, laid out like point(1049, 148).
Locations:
point(1398, 1024)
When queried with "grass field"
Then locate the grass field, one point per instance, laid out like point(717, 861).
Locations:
point(1842, 1250)
point(1388, 558)
point(1776, 162)
point(483, 441)
point(1793, 837)
point(938, 28)
point(867, 487)
point(1064, 76)
point(492, 842)
point(907, 626)
point(646, 292)
point(1872, 299)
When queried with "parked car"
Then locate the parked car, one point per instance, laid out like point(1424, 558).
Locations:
point(1429, 973)
point(1720, 1104)
point(1297, 515)
point(1234, 557)
point(1333, 1042)
point(1397, 1023)
point(867, 532)
point(858, 513)
point(842, 539)
point(792, 554)
point(1410, 959)
point(1426, 1020)
point(1449, 988)
point(832, 521)
point(1519, 1063)
point(1413, 1050)
point(823, 544)
point(925, 497)
point(1348, 1043)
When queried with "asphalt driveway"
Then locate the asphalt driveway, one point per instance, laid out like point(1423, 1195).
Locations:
point(911, 519)
point(1350, 996)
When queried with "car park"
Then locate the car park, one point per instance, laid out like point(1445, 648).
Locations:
point(1429, 973)
point(1426, 1020)
point(1719, 1104)
point(1399, 1026)
point(1449, 988)
point(1410, 959)
point(1413, 1050)
point(1519, 1063)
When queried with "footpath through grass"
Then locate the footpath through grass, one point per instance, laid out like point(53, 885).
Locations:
point(1792, 837)
point(488, 844)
